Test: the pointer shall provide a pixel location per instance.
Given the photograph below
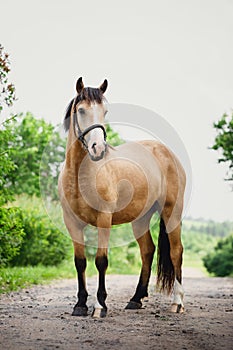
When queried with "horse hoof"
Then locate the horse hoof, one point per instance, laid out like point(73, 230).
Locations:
point(80, 311)
point(133, 305)
point(99, 313)
point(177, 308)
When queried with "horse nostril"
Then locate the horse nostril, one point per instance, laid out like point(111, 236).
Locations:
point(93, 147)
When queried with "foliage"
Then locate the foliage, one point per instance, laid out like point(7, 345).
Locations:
point(113, 138)
point(7, 165)
point(198, 242)
point(199, 238)
point(11, 231)
point(43, 242)
point(38, 151)
point(224, 141)
point(13, 278)
point(33, 137)
point(7, 90)
point(210, 227)
point(220, 262)
point(122, 259)
point(11, 234)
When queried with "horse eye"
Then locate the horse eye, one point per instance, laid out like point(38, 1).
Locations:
point(81, 110)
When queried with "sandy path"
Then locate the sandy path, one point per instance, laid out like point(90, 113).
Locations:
point(39, 318)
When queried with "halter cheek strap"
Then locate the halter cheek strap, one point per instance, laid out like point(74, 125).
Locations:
point(81, 134)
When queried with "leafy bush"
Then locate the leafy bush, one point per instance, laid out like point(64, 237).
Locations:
point(43, 242)
point(11, 234)
point(220, 262)
point(113, 138)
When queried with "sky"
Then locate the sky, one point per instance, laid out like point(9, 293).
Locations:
point(171, 57)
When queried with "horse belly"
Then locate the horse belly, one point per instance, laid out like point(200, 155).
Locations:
point(132, 206)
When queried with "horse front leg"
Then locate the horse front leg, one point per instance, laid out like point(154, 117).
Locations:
point(80, 309)
point(147, 249)
point(101, 261)
point(75, 229)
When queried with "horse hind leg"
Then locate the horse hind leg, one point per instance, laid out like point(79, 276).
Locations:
point(147, 249)
point(169, 264)
point(176, 252)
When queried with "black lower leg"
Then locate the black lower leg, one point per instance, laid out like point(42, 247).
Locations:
point(142, 287)
point(80, 308)
point(102, 264)
point(141, 290)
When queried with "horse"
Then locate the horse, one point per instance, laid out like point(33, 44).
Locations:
point(101, 185)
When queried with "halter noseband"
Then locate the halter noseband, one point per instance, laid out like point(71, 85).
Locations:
point(81, 134)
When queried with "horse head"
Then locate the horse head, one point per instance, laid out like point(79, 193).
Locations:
point(89, 110)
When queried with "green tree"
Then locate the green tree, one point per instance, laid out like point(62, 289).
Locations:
point(38, 151)
point(35, 138)
point(224, 142)
point(11, 232)
point(220, 262)
point(7, 90)
point(7, 165)
point(7, 96)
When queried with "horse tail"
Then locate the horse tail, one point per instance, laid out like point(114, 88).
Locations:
point(165, 268)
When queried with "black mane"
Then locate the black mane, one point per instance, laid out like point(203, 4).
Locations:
point(88, 95)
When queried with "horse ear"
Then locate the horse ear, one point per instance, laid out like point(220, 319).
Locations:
point(79, 85)
point(103, 87)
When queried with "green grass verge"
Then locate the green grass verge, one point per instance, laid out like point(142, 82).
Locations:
point(15, 278)
point(194, 261)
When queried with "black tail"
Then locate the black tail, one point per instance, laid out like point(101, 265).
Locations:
point(165, 269)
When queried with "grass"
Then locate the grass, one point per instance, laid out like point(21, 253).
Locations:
point(194, 261)
point(15, 278)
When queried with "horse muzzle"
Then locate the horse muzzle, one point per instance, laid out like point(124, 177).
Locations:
point(97, 151)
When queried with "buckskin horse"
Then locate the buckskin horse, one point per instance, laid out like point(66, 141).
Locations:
point(103, 186)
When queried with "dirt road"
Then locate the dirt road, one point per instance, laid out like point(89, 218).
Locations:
point(39, 318)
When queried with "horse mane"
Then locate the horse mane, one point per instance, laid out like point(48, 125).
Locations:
point(66, 122)
point(88, 95)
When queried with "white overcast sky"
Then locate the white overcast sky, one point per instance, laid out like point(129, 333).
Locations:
point(172, 57)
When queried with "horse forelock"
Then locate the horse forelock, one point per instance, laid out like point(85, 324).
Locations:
point(88, 95)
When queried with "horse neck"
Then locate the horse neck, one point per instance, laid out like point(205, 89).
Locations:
point(75, 152)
